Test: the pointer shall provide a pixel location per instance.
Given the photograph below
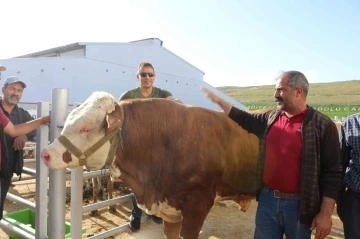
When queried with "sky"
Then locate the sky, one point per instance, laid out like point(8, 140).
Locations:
point(235, 42)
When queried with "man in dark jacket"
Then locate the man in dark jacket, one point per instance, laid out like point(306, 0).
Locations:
point(12, 91)
point(298, 174)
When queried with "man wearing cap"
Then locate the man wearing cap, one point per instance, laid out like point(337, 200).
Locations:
point(12, 91)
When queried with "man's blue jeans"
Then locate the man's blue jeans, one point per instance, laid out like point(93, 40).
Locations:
point(276, 217)
point(136, 211)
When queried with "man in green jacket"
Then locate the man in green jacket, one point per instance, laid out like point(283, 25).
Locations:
point(12, 91)
point(146, 77)
point(298, 172)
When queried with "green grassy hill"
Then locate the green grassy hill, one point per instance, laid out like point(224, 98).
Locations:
point(333, 99)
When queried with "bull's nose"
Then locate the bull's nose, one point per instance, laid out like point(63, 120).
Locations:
point(45, 156)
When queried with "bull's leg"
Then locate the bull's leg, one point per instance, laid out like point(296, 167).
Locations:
point(110, 190)
point(191, 224)
point(101, 182)
point(196, 206)
point(95, 195)
point(172, 230)
point(87, 187)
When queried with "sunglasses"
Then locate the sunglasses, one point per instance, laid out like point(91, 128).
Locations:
point(143, 74)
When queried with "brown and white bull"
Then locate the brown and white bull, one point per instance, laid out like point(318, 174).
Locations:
point(177, 159)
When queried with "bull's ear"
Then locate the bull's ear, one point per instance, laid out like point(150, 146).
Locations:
point(113, 119)
point(111, 106)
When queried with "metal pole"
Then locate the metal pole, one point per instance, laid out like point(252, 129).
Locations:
point(97, 173)
point(76, 199)
point(111, 232)
point(92, 174)
point(42, 139)
point(20, 200)
point(57, 182)
point(115, 231)
point(7, 227)
point(29, 171)
point(94, 206)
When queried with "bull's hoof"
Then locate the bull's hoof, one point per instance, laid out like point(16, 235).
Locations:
point(112, 209)
point(157, 220)
point(101, 194)
point(87, 192)
point(94, 213)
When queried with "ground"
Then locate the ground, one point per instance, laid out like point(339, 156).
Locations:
point(225, 221)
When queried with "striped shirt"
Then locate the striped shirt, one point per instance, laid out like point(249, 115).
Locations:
point(350, 151)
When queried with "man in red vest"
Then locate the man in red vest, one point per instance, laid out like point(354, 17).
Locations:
point(298, 174)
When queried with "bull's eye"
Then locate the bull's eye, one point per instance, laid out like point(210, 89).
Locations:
point(85, 130)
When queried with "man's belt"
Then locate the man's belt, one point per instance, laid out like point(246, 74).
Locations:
point(282, 195)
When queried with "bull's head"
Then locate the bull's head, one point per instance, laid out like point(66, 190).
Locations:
point(86, 126)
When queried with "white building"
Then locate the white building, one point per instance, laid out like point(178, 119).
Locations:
point(87, 67)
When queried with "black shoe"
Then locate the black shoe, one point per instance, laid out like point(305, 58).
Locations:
point(156, 219)
point(134, 223)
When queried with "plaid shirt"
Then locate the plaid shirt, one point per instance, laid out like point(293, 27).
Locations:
point(350, 151)
point(320, 162)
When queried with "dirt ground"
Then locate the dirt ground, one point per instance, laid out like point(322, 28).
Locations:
point(225, 220)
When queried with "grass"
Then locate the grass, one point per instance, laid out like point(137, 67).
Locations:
point(339, 99)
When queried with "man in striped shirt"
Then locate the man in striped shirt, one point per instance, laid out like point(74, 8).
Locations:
point(349, 203)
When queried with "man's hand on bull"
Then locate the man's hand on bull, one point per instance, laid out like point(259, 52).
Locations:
point(214, 98)
point(19, 142)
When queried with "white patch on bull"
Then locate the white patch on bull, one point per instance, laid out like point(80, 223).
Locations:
point(218, 198)
point(165, 211)
point(223, 200)
point(114, 170)
point(57, 152)
point(244, 203)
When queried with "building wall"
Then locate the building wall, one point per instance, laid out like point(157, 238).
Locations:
point(78, 52)
point(110, 67)
point(83, 76)
point(152, 41)
point(130, 55)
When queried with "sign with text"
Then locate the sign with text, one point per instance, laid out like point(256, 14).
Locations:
point(329, 110)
